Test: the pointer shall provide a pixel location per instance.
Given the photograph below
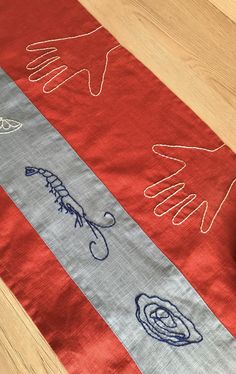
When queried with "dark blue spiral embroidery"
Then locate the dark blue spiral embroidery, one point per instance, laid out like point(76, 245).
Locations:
point(71, 206)
point(163, 321)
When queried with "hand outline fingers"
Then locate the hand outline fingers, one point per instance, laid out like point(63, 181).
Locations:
point(34, 64)
point(62, 68)
point(183, 204)
point(65, 67)
point(160, 182)
point(168, 198)
point(190, 204)
point(41, 62)
point(31, 76)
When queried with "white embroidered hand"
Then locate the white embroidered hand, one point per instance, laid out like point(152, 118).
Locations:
point(203, 180)
point(60, 60)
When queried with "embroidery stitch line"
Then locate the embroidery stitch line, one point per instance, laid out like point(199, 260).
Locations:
point(62, 68)
point(71, 206)
point(163, 321)
point(9, 125)
point(190, 198)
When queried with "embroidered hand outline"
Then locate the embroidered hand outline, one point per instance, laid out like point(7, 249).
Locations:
point(62, 59)
point(173, 191)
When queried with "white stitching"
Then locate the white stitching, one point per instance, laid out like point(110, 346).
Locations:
point(62, 68)
point(9, 125)
point(190, 198)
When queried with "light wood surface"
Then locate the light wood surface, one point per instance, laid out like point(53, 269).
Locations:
point(23, 350)
point(191, 46)
point(228, 7)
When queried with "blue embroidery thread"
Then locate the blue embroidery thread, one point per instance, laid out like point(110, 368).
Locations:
point(163, 321)
point(71, 206)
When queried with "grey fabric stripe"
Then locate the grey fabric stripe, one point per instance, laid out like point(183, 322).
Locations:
point(134, 265)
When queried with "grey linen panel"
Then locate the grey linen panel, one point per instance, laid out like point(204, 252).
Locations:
point(134, 265)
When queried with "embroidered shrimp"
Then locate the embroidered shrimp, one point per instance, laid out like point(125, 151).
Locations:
point(69, 205)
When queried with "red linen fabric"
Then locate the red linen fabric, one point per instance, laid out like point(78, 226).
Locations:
point(114, 133)
point(80, 337)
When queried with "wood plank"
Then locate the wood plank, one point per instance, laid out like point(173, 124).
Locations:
point(189, 45)
point(23, 350)
point(228, 7)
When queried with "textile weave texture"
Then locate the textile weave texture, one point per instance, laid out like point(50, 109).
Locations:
point(116, 202)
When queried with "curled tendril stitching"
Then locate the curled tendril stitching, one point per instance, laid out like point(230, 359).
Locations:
point(68, 204)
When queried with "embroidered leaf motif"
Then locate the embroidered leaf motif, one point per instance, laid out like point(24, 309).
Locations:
point(8, 125)
point(202, 182)
point(60, 60)
point(68, 204)
point(163, 321)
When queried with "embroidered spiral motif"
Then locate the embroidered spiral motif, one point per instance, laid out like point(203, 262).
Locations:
point(164, 322)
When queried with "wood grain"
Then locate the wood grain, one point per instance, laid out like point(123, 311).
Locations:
point(228, 7)
point(22, 348)
point(191, 46)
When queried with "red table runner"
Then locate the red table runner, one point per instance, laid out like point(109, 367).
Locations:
point(168, 170)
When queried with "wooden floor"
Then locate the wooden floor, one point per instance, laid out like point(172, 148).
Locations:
point(191, 46)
